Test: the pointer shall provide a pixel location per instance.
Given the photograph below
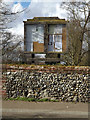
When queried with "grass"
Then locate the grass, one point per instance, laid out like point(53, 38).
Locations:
point(43, 100)
point(32, 99)
point(22, 99)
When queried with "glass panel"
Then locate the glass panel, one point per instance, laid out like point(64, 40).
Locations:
point(51, 40)
point(51, 43)
point(29, 37)
point(58, 29)
point(55, 43)
point(38, 34)
point(51, 29)
point(34, 33)
point(55, 29)
point(58, 42)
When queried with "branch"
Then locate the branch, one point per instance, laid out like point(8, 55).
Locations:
point(86, 22)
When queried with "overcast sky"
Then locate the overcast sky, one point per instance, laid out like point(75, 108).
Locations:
point(35, 8)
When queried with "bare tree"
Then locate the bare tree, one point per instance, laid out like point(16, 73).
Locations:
point(9, 43)
point(78, 29)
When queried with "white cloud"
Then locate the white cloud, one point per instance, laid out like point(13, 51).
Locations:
point(35, 9)
point(44, 1)
point(18, 30)
point(16, 1)
point(59, 12)
point(45, 9)
point(8, 1)
point(17, 8)
point(16, 25)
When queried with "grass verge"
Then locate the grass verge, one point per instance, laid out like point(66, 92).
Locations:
point(32, 99)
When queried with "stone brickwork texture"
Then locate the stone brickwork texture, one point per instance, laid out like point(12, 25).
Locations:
point(70, 84)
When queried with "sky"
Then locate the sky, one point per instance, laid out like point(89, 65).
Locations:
point(24, 4)
point(33, 8)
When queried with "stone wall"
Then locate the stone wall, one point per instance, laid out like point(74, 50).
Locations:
point(52, 84)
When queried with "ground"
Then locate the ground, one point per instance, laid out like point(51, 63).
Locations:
point(23, 109)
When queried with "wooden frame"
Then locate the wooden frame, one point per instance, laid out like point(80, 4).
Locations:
point(54, 39)
point(46, 24)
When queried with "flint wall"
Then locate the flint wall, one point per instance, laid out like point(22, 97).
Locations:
point(55, 83)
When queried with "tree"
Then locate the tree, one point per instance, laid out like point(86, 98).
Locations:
point(8, 45)
point(78, 29)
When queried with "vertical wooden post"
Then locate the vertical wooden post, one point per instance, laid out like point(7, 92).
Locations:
point(46, 38)
point(64, 39)
point(59, 55)
point(24, 37)
point(33, 56)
